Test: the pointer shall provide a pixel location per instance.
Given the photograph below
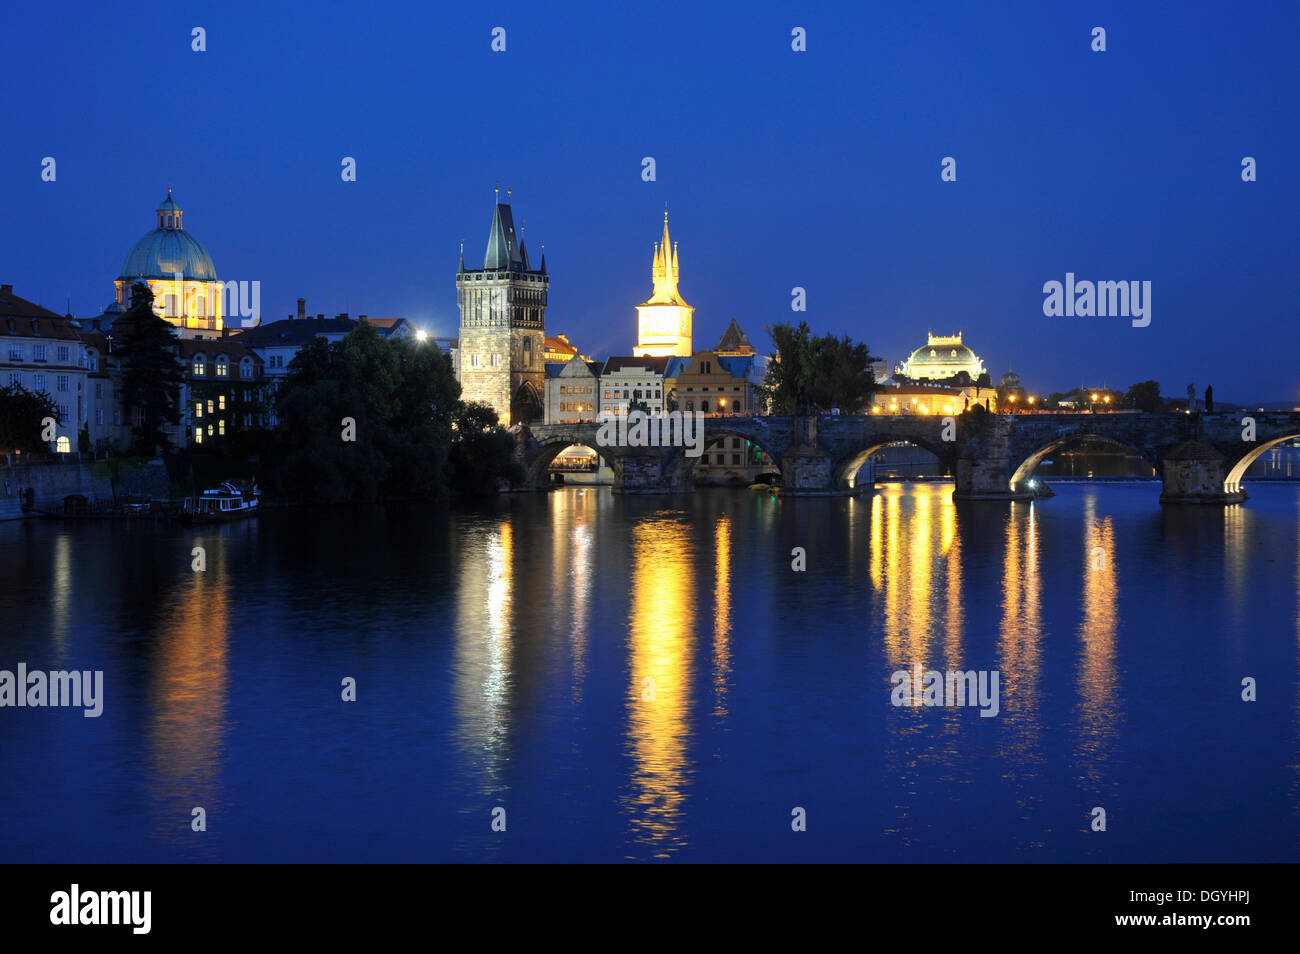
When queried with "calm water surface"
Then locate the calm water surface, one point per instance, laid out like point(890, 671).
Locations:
point(506, 657)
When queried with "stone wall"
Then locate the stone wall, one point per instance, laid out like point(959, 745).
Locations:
point(52, 482)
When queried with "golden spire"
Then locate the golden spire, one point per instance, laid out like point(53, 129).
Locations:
point(664, 270)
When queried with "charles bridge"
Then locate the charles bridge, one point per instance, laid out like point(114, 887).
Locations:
point(1201, 458)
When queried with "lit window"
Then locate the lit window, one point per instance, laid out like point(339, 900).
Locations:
point(221, 426)
point(198, 435)
point(198, 408)
point(199, 366)
point(221, 402)
point(209, 405)
point(222, 366)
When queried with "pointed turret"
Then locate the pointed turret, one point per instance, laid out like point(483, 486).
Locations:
point(664, 272)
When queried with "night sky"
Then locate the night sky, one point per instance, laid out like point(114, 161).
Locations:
point(819, 169)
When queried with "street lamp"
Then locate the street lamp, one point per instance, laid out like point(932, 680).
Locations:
point(722, 405)
point(1012, 399)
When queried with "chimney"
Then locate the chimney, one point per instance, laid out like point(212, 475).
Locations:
point(302, 308)
point(361, 317)
point(320, 316)
point(7, 289)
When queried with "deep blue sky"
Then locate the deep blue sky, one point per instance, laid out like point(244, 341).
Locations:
point(818, 169)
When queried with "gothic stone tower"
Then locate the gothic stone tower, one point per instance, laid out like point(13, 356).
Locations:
point(503, 326)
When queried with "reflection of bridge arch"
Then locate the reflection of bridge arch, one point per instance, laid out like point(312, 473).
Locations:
point(677, 466)
point(845, 470)
point(1026, 468)
point(1232, 482)
point(539, 463)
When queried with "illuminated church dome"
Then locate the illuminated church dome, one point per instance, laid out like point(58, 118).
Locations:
point(179, 272)
point(168, 249)
point(941, 358)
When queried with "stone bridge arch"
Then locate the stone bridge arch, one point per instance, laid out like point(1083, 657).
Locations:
point(845, 466)
point(1151, 456)
point(1237, 472)
point(678, 466)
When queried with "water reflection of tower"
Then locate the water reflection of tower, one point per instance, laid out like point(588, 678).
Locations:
point(484, 652)
point(660, 661)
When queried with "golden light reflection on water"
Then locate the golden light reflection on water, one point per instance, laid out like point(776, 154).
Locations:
point(660, 664)
point(1020, 655)
point(721, 613)
point(915, 566)
point(188, 693)
point(906, 555)
point(1097, 633)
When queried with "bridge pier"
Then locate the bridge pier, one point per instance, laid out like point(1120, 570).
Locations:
point(1194, 473)
point(985, 468)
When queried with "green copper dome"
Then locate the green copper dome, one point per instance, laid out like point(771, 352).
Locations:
point(169, 249)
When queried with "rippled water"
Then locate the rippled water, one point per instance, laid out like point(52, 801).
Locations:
point(647, 678)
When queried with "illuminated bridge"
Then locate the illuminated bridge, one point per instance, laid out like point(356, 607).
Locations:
point(1201, 458)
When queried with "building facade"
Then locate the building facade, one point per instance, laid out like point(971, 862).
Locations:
point(42, 351)
point(502, 339)
point(639, 380)
point(572, 391)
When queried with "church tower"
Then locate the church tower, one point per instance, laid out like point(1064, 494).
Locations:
point(503, 325)
point(664, 319)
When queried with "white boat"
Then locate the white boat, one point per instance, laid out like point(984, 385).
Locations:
point(230, 501)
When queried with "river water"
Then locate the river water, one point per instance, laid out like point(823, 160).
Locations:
point(648, 678)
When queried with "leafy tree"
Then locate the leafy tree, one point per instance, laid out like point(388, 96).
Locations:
point(21, 414)
point(1145, 396)
point(151, 373)
point(817, 372)
point(403, 400)
point(482, 451)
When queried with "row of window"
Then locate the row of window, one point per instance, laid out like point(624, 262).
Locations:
point(40, 352)
point(216, 430)
point(222, 368)
point(576, 406)
point(573, 389)
point(62, 382)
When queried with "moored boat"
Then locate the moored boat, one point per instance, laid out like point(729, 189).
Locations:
point(230, 501)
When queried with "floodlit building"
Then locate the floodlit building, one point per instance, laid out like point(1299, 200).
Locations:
point(179, 272)
point(943, 357)
point(664, 319)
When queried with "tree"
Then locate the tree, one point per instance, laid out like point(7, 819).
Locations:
point(481, 452)
point(810, 372)
point(151, 374)
point(367, 418)
point(21, 415)
point(1144, 396)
